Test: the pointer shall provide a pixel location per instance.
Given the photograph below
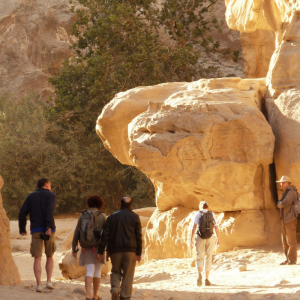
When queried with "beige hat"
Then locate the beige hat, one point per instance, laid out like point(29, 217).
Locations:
point(285, 178)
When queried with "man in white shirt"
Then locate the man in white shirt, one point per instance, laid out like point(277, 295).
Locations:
point(205, 242)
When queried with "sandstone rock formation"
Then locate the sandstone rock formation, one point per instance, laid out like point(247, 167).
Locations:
point(9, 274)
point(282, 97)
point(35, 36)
point(206, 140)
point(70, 266)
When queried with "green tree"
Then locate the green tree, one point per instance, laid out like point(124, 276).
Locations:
point(121, 45)
point(35, 145)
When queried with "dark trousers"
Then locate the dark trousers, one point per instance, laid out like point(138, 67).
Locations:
point(123, 266)
point(289, 240)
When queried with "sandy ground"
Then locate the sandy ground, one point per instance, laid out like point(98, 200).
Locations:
point(170, 279)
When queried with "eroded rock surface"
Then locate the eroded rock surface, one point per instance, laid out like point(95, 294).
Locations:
point(35, 36)
point(282, 97)
point(9, 274)
point(206, 140)
point(171, 231)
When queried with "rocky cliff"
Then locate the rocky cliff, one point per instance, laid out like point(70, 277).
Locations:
point(9, 274)
point(208, 140)
point(35, 36)
point(205, 140)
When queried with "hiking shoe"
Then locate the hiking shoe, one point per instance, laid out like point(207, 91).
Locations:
point(39, 289)
point(49, 285)
point(207, 282)
point(115, 296)
point(291, 263)
point(199, 280)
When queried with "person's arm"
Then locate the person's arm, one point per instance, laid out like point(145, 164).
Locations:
point(76, 237)
point(289, 199)
point(138, 237)
point(193, 235)
point(218, 235)
point(104, 238)
point(51, 202)
point(24, 211)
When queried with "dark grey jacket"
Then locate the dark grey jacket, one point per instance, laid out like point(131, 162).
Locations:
point(122, 232)
point(289, 198)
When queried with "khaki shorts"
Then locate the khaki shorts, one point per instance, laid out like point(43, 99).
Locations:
point(36, 246)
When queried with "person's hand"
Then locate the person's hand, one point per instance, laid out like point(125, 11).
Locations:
point(49, 231)
point(24, 233)
point(193, 243)
point(218, 244)
point(99, 256)
point(278, 205)
point(138, 258)
point(74, 254)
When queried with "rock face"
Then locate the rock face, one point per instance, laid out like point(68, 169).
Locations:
point(35, 40)
point(282, 97)
point(284, 117)
point(35, 36)
point(9, 274)
point(206, 140)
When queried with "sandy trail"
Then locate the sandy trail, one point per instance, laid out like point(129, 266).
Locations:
point(171, 279)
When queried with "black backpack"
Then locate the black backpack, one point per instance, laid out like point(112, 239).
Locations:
point(206, 225)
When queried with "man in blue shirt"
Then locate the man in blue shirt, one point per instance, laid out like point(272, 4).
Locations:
point(40, 206)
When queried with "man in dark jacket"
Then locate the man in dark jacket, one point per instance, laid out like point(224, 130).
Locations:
point(122, 232)
point(40, 206)
point(288, 215)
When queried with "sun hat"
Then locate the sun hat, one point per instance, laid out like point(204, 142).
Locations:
point(285, 178)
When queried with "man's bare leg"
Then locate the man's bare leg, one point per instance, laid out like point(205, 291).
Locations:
point(96, 284)
point(37, 269)
point(49, 268)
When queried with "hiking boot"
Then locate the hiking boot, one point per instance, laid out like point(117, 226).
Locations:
point(49, 285)
point(207, 282)
point(115, 296)
point(199, 280)
point(39, 289)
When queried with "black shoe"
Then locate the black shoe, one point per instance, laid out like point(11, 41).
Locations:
point(199, 280)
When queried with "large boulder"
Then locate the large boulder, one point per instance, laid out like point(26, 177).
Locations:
point(9, 274)
point(168, 233)
point(71, 269)
point(183, 140)
point(206, 140)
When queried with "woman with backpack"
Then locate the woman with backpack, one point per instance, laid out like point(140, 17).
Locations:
point(88, 233)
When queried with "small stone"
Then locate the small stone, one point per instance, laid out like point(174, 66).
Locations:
point(243, 268)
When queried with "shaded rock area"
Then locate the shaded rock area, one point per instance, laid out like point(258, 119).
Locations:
point(9, 274)
point(35, 36)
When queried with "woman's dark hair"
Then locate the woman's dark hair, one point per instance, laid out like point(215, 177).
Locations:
point(94, 201)
point(42, 182)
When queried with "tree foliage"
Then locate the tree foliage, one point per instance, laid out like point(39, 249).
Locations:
point(35, 145)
